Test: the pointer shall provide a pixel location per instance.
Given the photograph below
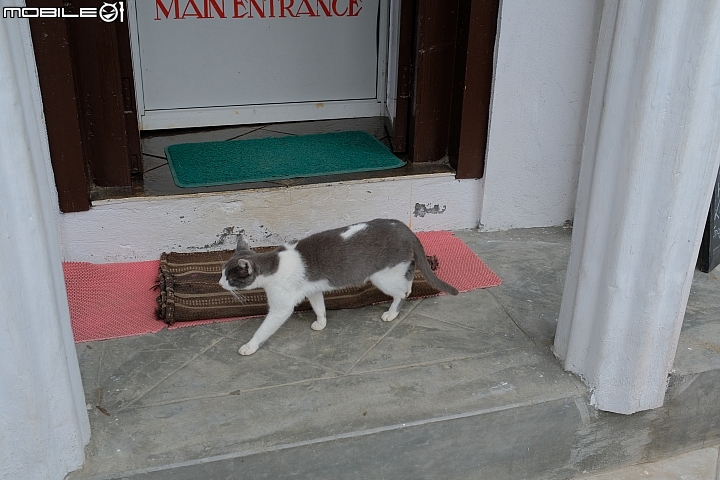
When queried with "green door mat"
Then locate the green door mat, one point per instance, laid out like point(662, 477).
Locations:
point(240, 161)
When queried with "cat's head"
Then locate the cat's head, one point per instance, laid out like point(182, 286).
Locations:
point(239, 273)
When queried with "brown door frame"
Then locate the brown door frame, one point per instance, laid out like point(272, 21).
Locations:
point(85, 76)
point(436, 37)
point(57, 88)
point(447, 112)
point(469, 158)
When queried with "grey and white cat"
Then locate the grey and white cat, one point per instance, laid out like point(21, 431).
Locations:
point(384, 252)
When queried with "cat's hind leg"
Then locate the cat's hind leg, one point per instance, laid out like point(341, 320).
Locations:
point(393, 311)
point(318, 305)
point(392, 281)
point(409, 277)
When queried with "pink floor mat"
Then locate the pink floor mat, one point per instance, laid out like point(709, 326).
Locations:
point(114, 300)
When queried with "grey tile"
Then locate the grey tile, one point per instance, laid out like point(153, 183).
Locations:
point(261, 133)
point(421, 340)
point(151, 162)
point(447, 450)
point(488, 241)
point(537, 318)
point(704, 302)
point(479, 391)
point(699, 346)
point(222, 328)
point(125, 369)
point(477, 309)
point(407, 170)
point(347, 336)
point(260, 419)
point(698, 349)
point(532, 265)
point(696, 465)
point(372, 125)
point(160, 182)
point(222, 371)
point(156, 142)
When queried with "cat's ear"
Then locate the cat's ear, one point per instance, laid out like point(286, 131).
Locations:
point(242, 245)
point(245, 267)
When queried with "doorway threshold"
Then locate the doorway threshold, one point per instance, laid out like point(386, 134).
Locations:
point(156, 179)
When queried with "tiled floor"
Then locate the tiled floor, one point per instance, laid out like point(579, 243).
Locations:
point(157, 180)
point(696, 465)
point(459, 387)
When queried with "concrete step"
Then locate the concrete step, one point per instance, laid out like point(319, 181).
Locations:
point(701, 464)
point(456, 388)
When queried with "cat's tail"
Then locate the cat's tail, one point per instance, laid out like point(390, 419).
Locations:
point(423, 265)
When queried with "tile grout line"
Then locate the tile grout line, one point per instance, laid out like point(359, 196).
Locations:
point(100, 363)
point(511, 318)
point(246, 133)
point(446, 322)
point(717, 464)
point(283, 133)
point(306, 361)
point(157, 384)
point(580, 390)
point(318, 379)
point(383, 336)
point(155, 168)
point(161, 157)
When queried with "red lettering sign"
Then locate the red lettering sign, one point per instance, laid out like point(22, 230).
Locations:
point(308, 9)
point(325, 8)
point(284, 9)
point(334, 9)
point(353, 12)
point(160, 6)
point(236, 8)
point(197, 14)
point(181, 9)
point(213, 3)
point(261, 11)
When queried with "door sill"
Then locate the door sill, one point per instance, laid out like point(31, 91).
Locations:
point(157, 181)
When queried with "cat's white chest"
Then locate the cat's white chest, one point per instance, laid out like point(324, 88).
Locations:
point(289, 281)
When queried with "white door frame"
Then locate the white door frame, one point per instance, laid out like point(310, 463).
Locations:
point(261, 113)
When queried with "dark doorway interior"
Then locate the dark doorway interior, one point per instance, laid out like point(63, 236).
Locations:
point(709, 257)
point(446, 55)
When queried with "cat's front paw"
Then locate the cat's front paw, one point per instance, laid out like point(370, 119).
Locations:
point(318, 324)
point(248, 349)
point(388, 316)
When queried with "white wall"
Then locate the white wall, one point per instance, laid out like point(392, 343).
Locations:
point(142, 228)
point(43, 420)
point(544, 56)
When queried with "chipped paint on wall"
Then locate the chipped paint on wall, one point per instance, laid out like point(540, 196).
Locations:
point(428, 209)
point(223, 240)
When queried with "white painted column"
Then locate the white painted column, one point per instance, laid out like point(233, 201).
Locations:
point(649, 162)
point(43, 421)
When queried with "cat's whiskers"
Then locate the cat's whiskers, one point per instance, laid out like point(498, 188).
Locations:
point(239, 298)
